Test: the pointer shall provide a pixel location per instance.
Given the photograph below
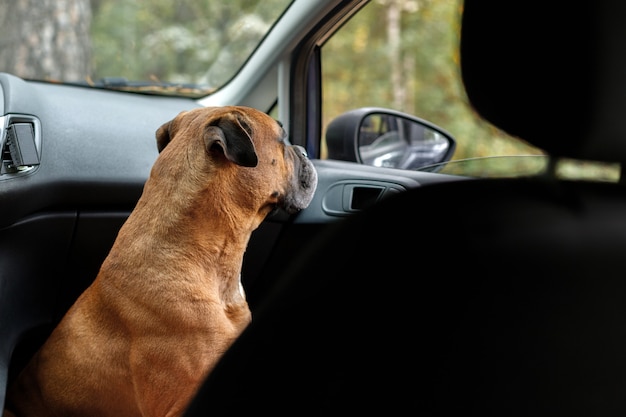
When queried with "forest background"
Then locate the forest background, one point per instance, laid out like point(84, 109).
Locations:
point(401, 54)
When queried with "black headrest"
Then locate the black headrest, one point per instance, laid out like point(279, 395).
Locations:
point(550, 72)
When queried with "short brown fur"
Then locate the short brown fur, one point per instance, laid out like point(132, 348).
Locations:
point(167, 301)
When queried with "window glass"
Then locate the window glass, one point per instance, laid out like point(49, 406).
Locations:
point(171, 47)
point(403, 55)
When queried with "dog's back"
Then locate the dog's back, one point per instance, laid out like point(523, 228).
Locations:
point(167, 302)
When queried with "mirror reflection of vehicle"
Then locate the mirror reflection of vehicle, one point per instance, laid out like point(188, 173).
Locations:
point(387, 138)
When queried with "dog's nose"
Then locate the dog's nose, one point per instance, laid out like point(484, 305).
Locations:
point(300, 149)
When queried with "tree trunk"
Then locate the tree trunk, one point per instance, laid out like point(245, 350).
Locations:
point(394, 38)
point(46, 39)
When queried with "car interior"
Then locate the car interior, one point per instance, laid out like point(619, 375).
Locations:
point(74, 162)
point(425, 295)
point(490, 297)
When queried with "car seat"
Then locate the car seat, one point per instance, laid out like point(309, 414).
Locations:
point(489, 297)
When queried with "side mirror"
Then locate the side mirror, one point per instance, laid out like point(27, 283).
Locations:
point(387, 138)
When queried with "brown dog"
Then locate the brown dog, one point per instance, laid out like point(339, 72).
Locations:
point(168, 300)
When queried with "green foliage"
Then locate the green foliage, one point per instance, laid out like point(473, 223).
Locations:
point(358, 67)
point(205, 41)
point(186, 41)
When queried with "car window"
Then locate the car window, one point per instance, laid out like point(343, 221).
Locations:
point(177, 47)
point(403, 55)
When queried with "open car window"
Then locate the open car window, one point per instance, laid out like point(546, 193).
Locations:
point(403, 56)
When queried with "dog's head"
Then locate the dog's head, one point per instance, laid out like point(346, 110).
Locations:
point(248, 150)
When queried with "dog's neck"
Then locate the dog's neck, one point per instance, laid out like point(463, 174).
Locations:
point(214, 243)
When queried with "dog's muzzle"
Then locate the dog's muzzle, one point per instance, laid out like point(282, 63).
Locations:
point(303, 183)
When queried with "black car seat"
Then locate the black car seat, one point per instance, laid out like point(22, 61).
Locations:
point(490, 297)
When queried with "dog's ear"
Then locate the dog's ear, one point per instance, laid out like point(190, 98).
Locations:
point(163, 136)
point(165, 132)
point(234, 136)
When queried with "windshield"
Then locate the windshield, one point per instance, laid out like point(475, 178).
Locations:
point(179, 47)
